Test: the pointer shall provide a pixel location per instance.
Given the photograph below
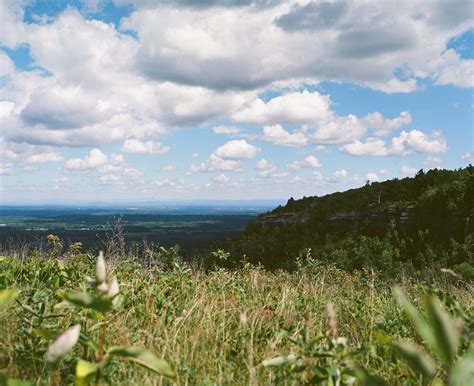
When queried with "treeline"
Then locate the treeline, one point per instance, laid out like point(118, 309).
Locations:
point(419, 221)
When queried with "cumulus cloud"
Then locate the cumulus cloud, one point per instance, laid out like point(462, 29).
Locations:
point(312, 16)
point(94, 159)
point(383, 126)
point(215, 163)
point(238, 149)
point(266, 169)
point(360, 42)
point(167, 182)
point(338, 176)
point(372, 177)
point(406, 143)
point(408, 170)
point(221, 179)
point(230, 130)
point(309, 162)
point(277, 135)
point(433, 162)
point(133, 145)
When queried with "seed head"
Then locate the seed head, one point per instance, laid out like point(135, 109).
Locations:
point(100, 268)
point(63, 344)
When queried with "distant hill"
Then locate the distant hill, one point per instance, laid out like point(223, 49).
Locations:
point(390, 222)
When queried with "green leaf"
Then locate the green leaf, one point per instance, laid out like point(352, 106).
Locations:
point(82, 299)
point(45, 334)
point(85, 372)
point(279, 361)
point(143, 357)
point(422, 328)
point(416, 358)
point(446, 331)
point(7, 296)
point(366, 378)
point(463, 370)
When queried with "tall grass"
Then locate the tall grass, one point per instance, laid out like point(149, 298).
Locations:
point(214, 327)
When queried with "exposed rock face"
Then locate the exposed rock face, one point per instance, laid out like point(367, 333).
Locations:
point(408, 217)
point(281, 220)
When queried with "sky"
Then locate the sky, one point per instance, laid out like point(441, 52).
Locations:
point(139, 100)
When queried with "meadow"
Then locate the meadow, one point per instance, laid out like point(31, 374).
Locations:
point(214, 326)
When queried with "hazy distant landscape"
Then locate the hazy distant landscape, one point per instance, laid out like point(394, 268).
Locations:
point(191, 225)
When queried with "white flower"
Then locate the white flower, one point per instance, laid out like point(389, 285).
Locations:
point(63, 344)
point(100, 268)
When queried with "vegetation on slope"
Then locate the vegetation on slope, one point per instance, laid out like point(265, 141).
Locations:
point(425, 220)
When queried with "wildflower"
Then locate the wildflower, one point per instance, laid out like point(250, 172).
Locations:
point(63, 344)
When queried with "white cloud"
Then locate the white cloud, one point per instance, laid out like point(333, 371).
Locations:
point(44, 157)
point(221, 179)
point(110, 179)
point(230, 130)
point(309, 162)
point(372, 177)
point(94, 159)
point(6, 168)
point(372, 146)
point(291, 108)
point(195, 155)
point(433, 162)
point(250, 47)
point(318, 177)
point(238, 149)
point(383, 126)
point(132, 173)
point(406, 143)
point(338, 176)
point(133, 145)
point(215, 163)
point(279, 136)
point(385, 172)
point(171, 182)
point(408, 170)
point(263, 164)
point(418, 142)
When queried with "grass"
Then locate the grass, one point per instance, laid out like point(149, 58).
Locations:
point(214, 327)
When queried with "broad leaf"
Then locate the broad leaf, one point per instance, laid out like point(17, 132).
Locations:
point(416, 358)
point(445, 330)
point(422, 328)
point(82, 299)
point(85, 371)
point(366, 378)
point(143, 357)
point(7, 296)
point(45, 334)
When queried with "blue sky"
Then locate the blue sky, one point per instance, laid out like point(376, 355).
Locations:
point(137, 100)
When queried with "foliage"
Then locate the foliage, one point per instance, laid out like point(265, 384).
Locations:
point(216, 326)
point(425, 220)
point(441, 334)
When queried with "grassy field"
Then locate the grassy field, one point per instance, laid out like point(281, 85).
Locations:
point(216, 327)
